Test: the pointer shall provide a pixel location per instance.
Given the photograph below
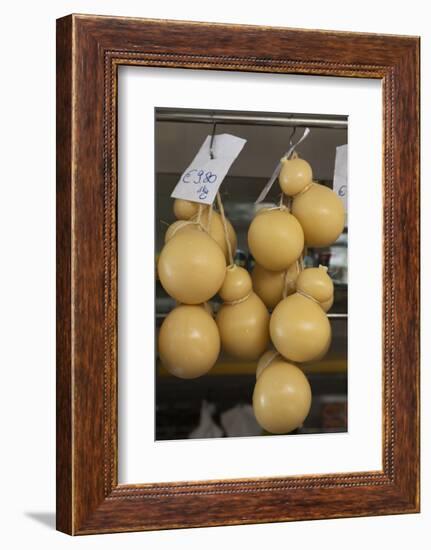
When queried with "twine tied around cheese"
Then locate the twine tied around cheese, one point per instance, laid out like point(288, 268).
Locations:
point(270, 360)
point(198, 221)
point(308, 296)
point(226, 234)
point(181, 225)
point(306, 188)
point(240, 300)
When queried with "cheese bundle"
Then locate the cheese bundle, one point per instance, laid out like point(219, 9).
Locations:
point(299, 298)
point(191, 268)
point(281, 303)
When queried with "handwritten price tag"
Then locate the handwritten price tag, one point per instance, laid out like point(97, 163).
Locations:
point(202, 179)
point(340, 174)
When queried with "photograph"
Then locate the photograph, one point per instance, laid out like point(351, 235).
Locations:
point(251, 293)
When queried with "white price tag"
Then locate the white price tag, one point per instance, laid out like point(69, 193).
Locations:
point(340, 174)
point(202, 179)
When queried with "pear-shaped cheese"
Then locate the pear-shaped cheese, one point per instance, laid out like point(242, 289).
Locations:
point(191, 267)
point(315, 282)
point(321, 214)
point(299, 329)
point(295, 175)
point(236, 285)
point(281, 398)
point(244, 328)
point(189, 341)
point(275, 239)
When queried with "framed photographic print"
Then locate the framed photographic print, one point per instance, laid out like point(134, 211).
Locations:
point(237, 274)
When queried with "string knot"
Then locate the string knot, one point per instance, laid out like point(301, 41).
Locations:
point(306, 188)
point(240, 300)
point(308, 296)
point(226, 233)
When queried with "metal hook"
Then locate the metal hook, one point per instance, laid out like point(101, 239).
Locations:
point(293, 146)
point(212, 141)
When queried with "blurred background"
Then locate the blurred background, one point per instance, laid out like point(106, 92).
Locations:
point(219, 404)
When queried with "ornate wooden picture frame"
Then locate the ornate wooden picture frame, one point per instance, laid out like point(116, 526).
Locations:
point(89, 51)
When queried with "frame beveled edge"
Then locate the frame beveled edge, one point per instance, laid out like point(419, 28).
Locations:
point(89, 499)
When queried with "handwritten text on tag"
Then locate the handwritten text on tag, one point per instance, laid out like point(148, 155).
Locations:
point(202, 178)
point(340, 174)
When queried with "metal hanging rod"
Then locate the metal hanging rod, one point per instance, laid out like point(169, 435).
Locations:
point(250, 118)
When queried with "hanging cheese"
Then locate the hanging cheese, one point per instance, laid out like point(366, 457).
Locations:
point(244, 327)
point(191, 267)
point(281, 398)
point(184, 210)
point(299, 329)
point(189, 341)
point(318, 209)
point(236, 285)
point(315, 282)
point(275, 239)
